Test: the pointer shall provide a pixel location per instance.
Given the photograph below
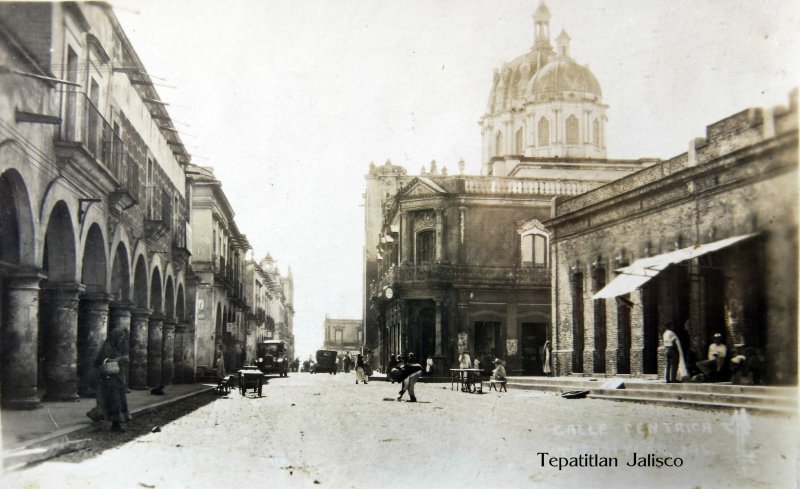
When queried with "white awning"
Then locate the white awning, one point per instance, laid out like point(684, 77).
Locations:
point(637, 274)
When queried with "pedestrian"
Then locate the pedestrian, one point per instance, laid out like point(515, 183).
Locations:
point(111, 401)
point(712, 367)
point(348, 362)
point(243, 357)
point(499, 372)
point(429, 366)
point(676, 366)
point(220, 363)
point(476, 364)
point(464, 361)
point(547, 367)
point(360, 375)
point(409, 374)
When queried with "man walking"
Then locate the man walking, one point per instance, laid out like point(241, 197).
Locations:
point(409, 374)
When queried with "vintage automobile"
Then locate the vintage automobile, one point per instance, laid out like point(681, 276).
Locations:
point(326, 362)
point(271, 357)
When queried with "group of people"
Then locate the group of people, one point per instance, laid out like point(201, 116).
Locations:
point(677, 365)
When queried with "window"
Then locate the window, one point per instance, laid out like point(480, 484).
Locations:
point(519, 142)
point(71, 102)
point(498, 144)
point(426, 241)
point(534, 250)
point(544, 132)
point(339, 336)
point(572, 130)
point(596, 131)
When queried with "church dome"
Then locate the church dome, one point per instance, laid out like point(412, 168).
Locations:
point(564, 78)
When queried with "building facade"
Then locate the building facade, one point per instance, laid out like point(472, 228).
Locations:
point(272, 308)
point(217, 288)
point(466, 257)
point(343, 335)
point(94, 220)
point(705, 242)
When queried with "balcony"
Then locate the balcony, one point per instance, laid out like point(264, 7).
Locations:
point(181, 241)
point(445, 275)
point(95, 150)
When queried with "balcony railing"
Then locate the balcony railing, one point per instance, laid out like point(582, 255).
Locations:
point(83, 123)
point(457, 274)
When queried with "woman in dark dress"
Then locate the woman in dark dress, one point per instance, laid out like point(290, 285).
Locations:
point(112, 403)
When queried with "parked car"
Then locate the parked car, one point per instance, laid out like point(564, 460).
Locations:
point(326, 362)
point(271, 357)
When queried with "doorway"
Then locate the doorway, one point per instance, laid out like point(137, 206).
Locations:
point(487, 341)
point(533, 337)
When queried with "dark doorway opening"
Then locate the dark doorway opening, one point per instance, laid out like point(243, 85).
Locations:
point(577, 322)
point(533, 337)
point(487, 342)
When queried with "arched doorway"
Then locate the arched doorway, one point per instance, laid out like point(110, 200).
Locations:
point(120, 308)
point(58, 346)
point(155, 331)
point(19, 295)
point(93, 311)
point(217, 350)
point(140, 318)
point(168, 346)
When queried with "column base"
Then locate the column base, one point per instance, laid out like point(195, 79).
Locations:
point(28, 403)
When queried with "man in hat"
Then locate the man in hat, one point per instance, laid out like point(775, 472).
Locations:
point(409, 374)
point(717, 352)
point(499, 372)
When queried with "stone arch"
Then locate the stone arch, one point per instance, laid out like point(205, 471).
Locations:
point(17, 230)
point(120, 286)
point(58, 254)
point(58, 309)
point(94, 263)
point(56, 196)
point(18, 333)
point(169, 299)
point(180, 304)
point(140, 283)
point(156, 292)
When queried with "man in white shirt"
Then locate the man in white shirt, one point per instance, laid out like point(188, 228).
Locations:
point(716, 358)
point(671, 352)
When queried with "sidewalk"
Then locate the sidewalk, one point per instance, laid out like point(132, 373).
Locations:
point(55, 419)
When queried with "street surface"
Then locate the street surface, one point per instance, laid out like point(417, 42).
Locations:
point(325, 431)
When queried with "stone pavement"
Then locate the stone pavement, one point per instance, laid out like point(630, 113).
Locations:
point(56, 419)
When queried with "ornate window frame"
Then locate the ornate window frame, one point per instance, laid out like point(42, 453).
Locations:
point(533, 229)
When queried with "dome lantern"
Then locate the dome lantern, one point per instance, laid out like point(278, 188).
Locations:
point(541, 26)
point(562, 43)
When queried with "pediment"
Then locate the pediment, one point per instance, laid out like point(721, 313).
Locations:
point(423, 187)
point(532, 225)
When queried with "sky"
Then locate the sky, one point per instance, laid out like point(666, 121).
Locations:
point(290, 100)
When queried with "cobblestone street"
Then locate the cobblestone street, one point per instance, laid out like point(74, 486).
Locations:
point(324, 430)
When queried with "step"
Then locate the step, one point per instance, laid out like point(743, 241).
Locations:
point(766, 409)
point(721, 388)
point(704, 397)
point(560, 388)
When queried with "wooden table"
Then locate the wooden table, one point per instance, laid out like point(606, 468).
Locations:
point(468, 379)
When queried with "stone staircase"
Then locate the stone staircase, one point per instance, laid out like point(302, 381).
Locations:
point(764, 399)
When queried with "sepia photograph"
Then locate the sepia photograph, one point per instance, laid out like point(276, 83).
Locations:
point(404, 243)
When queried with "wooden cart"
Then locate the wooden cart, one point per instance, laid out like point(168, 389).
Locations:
point(250, 378)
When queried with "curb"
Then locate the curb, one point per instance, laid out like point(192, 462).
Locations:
point(86, 424)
